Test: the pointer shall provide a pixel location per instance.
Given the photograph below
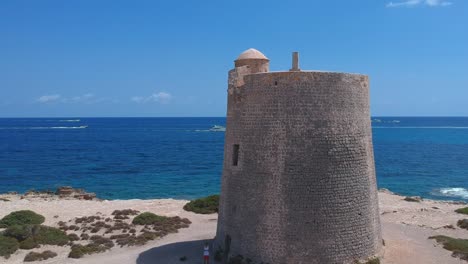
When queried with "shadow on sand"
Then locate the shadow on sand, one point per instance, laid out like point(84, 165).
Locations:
point(171, 253)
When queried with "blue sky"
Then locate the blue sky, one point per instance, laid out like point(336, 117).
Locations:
point(171, 58)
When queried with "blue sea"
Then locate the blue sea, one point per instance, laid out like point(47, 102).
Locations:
point(142, 158)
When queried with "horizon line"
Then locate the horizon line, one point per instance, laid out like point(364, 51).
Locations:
point(36, 117)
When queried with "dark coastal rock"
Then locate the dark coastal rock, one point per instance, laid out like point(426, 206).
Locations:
point(85, 196)
point(416, 199)
point(68, 191)
point(65, 191)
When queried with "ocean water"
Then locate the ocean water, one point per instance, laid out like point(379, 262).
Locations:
point(141, 158)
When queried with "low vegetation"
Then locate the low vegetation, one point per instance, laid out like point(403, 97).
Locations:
point(28, 243)
point(370, 261)
point(207, 205)
point(8, 246)
point(462, 210)
point(98, 244)
point(73, 237)
point(78, 251)
point(36, 256)
point(124, 214)
point(24, 217)
point(20, 232)
point(30, 235)
point(459, 247)
point(24, 231)
point(463, 224)
point(148, 218)
point(51, 236)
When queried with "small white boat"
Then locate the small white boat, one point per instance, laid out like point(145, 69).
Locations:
point(217, 128)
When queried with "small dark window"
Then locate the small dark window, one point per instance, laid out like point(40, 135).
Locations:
point(235, 155)
point(276, 83)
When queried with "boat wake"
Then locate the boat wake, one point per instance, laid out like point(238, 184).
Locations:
point(214, 128)
point(60, 127)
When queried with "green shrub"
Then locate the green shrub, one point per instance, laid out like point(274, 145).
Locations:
point(51, 236)
point(104, 241)
point(24, 217)
point(373, 261)
point(8, 246)
point(463, 223)
point(207, 205)
point(459, 247)
point(35, 256)
point(73, 237)
point(20, 232)
point(43, 235)
point(462, 210)
point(28, 243)
point(148, 218)
point(78, 251)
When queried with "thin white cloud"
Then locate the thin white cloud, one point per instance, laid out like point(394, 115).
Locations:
point(87, 98)
point(160, 97)
point(438, 3)
point(414, 3)
point(49, 98)
point(137, 99)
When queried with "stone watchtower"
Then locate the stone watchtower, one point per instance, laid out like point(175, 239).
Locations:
point(298, 181)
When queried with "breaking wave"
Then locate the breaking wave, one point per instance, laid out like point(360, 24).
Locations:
point(453, 192)
point(215, 128)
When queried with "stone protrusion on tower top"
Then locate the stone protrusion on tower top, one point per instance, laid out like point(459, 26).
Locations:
point(254, 60)
point(295, 62)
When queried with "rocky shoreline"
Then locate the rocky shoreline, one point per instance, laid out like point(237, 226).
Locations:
point(64, 192)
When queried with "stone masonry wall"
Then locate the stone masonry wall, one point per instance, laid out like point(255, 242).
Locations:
point(304, 189)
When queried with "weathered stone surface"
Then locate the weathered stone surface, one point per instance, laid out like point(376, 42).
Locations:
point(304, 187)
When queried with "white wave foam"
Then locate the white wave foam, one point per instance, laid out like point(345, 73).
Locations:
point(384, 121)
point(70, 120)
point(454, 192)
point(444, 127)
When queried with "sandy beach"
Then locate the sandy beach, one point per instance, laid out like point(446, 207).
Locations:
point(406, 227)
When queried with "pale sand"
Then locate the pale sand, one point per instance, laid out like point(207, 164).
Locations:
point(405, 231)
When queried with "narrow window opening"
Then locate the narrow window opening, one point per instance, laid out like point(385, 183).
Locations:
point(235, 155)
point(276, 83)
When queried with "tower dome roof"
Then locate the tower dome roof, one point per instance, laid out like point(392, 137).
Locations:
point(252, 54)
